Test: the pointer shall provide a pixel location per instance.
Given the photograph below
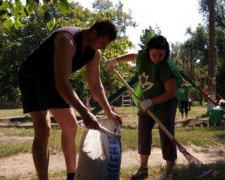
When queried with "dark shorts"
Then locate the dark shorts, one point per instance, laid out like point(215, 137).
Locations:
point(145, 126)
point(36, 97)
point(184, 107)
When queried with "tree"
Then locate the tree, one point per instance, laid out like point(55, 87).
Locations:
point(196, 47)
point(218, 49)
point(13, 13)
point(19, 42)
point(212, 52)
point(122, 20)
point(145, 36)
point(219, 11)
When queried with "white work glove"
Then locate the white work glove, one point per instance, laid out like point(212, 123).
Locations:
point(110, 64)
point(146, 104)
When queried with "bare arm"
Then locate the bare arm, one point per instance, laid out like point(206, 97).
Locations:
point(97, 89)
point(65, 49)
point(124, 58)
point(127, 57)
point(171, 90)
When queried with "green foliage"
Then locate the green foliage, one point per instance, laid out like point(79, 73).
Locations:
point(220, 36)
point(196, 47)
point(13, 13)
point(219, 12)
point(196, 50)
point(146, 35)
point(17, 43)
point(79, 82)
point(63, 6)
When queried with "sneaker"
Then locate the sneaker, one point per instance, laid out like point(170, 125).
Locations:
point(141, 173)
point(168, 177)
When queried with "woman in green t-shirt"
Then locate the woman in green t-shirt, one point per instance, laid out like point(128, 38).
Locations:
point(158, 80)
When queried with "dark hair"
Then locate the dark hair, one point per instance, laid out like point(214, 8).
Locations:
point(105, 28)
point(158, 42)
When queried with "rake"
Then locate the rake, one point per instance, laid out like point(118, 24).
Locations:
point(191, 159)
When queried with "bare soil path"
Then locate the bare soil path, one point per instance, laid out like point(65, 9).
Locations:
point(22, 164)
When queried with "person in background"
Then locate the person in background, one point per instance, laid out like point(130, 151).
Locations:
point(158, 80)
point(190, 101)
point(44, 84)
point(183, 96)
point(217, 114)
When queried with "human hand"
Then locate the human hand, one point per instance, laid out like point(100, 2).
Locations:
point(146, 104)
point(90, 121)
point(111, 63)
point(115, 117)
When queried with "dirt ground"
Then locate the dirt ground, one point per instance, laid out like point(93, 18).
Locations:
point(22, 164)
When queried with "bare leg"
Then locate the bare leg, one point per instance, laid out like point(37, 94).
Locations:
point(144, 160)
point(170, 167)
point(42, 130)
point(68, 123)
point(142, 172)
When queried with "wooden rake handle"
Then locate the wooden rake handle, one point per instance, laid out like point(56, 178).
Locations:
point(148, 111)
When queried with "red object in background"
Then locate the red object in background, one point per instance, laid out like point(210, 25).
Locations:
point(206, 93)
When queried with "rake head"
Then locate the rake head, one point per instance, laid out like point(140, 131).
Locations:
point(194, 161)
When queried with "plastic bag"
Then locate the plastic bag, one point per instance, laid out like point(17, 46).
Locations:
point(100, 153)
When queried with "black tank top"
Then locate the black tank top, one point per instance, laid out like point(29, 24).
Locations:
point(40, 63)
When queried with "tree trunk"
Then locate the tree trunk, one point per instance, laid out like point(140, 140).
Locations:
point(212, 54)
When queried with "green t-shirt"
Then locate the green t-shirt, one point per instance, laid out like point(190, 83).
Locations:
point(183, 93)
point(152, 77)
point(216, 114)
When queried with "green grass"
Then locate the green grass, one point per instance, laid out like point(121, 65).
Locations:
point(204, 137)
point(7, 113)
point(195, 111)
point(13, 145)
point(209, 137)
point(183, 172)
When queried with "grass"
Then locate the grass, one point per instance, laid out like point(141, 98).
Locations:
point(204, 137)
point(128, 111)
point(209, 137)
point(7, 113)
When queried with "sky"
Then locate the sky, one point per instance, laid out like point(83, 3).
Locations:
point(173, 17)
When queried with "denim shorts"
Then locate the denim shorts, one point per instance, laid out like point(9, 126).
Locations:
point(36, 97)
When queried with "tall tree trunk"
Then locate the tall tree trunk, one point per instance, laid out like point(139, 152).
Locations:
point(212, 54)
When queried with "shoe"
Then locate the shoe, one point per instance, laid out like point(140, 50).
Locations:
point(141, 173)
point(168, 177)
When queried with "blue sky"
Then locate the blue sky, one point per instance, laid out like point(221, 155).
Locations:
point(172, 16)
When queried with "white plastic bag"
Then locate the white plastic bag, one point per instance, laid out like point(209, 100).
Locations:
point(100, 153)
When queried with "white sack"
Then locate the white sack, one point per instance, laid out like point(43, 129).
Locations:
point(100, 154)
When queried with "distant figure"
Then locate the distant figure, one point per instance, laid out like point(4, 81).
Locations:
point(183, 98)
point(217, 114)
point(190, 101)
